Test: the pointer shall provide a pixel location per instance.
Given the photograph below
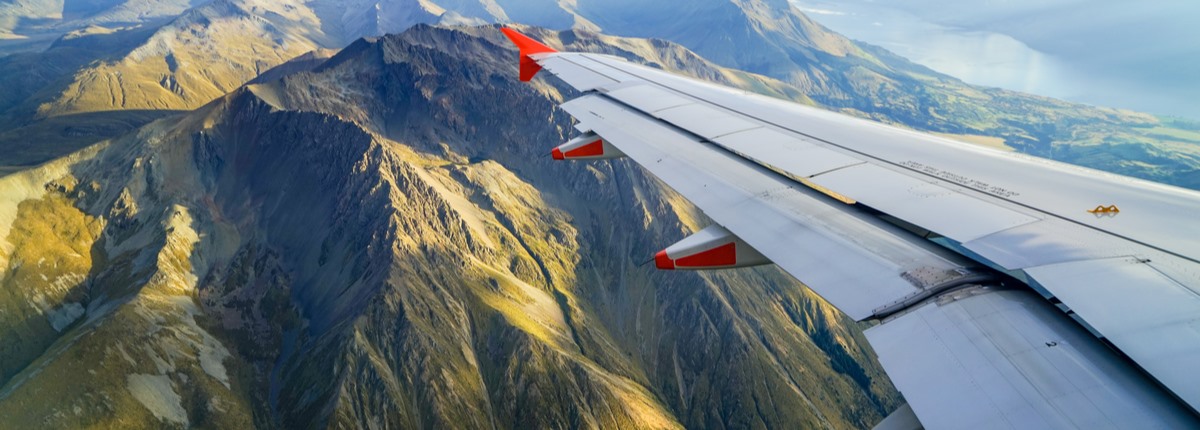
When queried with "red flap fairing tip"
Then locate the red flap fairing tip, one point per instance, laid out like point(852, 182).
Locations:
point(528, 47)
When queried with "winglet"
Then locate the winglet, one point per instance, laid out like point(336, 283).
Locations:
point(528, 47)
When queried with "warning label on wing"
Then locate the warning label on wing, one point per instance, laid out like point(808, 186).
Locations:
point(959, 179)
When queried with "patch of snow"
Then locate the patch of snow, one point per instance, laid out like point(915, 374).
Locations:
point(64, 316)
point(68, 281)
point(451, 18)
point(163, 366)
point(158, 396)
point(215, 405)
point(212, 360)
point(38, 303)
point(125, 355)
point(210, 351)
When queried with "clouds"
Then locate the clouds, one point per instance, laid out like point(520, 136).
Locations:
point(817, 11)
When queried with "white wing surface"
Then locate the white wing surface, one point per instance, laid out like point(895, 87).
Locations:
point(1011, 291)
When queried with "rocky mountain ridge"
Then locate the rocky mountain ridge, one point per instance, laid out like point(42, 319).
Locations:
point(381, 240)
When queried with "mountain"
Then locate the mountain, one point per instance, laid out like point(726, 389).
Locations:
point(31, 25)
point(100, 83)
point(379, 239)
point(72, 96)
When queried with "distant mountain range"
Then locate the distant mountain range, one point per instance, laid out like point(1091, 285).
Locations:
point(375, 236)
point(138, 73)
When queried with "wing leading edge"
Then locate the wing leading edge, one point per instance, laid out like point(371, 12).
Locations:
point(882, 223)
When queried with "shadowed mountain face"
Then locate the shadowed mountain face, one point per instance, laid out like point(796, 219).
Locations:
point(381, 240)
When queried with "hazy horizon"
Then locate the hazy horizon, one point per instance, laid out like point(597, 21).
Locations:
point(1103, 52)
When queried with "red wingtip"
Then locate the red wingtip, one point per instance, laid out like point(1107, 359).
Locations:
point(557, 154)
point(663, 262)
point(528, 47)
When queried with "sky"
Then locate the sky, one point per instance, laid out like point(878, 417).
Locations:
point(1136, 55)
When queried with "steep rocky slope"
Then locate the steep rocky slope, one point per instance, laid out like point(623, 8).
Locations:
point(382, 242)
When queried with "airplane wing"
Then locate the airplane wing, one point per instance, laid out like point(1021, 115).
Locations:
point(1010, 291)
